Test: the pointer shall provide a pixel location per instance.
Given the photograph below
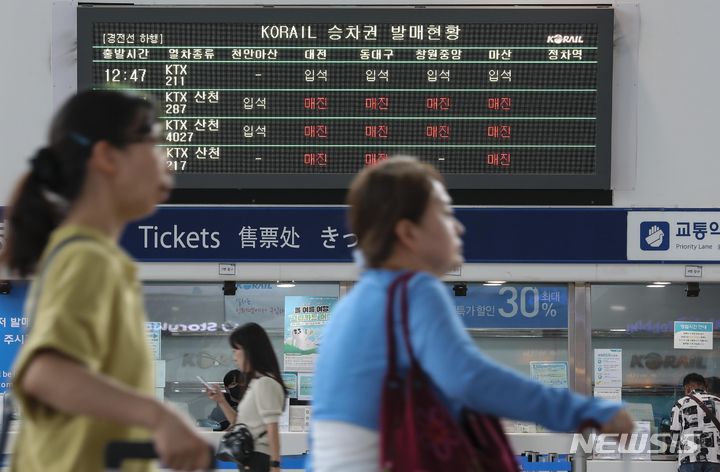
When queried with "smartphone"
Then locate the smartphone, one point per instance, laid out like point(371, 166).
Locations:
point(207, 385)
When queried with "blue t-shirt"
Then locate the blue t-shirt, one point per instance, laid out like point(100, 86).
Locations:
point(353, 361)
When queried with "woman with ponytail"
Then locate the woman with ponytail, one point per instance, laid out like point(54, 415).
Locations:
point(84, 376)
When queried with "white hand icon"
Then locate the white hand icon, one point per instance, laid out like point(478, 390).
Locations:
point(655, 237)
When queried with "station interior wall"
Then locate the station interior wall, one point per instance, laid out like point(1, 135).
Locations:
point(664, 117)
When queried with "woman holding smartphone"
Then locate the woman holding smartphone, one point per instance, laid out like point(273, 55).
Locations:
point(264, 399)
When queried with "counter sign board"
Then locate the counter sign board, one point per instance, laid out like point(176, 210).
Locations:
point(537, 306)
point(673, 236)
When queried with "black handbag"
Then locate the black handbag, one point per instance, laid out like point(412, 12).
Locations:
point(237, 445)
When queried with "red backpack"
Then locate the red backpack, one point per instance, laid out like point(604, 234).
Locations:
point(417, 432)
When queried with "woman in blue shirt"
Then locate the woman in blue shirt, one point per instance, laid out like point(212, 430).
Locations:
point(402, 216)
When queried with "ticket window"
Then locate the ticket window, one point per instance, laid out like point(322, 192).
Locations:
point(522, 326)
point(192, 323)
point(639, 320)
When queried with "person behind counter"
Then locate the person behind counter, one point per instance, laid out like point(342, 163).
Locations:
point(699, 448)
point(261, 406)
point(85, 375)
point(713, 385)
point(402, 216)
point(235, 387)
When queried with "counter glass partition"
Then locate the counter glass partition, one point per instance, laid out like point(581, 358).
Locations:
point(522, 326)
point(192, 322)
point(639, 321)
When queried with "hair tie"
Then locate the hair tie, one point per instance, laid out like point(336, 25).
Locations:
point(80, 139)
point(45, 168)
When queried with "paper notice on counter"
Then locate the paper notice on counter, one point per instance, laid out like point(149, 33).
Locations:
point(610, 449)
point(608, 393)
point(160, 369)
point(284, 421)
point(641, 412)
point(305, 386)
point(639, 445)
point(552, 374)
point(153, 332)
point(290, 379)
point(693, 335)
point(608, 368)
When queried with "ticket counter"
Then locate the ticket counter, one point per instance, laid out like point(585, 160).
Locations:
point(532, 328)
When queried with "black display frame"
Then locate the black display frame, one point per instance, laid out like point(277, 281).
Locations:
point(304, 188)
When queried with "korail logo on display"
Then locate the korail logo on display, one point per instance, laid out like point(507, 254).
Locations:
point(655, 236)
point(564, 39)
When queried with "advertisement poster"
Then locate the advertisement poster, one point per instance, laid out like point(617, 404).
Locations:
point(305, 319)
point(13, 324)
point(514, 306)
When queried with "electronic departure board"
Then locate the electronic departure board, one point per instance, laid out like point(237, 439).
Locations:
point(290, 98)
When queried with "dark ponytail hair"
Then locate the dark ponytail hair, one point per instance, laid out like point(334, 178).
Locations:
point(259, 353)
point(58, 171)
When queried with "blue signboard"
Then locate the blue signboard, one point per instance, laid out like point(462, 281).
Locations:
point(257, 234)
point(319, 234)
point(537, 306)
point(12, 330)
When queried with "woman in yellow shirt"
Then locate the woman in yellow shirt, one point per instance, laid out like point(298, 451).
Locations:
point(84, 376)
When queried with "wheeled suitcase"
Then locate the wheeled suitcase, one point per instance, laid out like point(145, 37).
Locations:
point(117, 452)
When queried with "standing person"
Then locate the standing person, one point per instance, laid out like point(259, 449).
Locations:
point(699, 449)
point(84, 376)
point(264, 399)
point(235, 387)
point(402, 216)
point(713, 385)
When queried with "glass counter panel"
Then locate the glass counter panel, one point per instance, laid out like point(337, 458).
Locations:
point(522, 326)
point(640, 321)
point(515, 324)
point(519, 350)
point(195, 321)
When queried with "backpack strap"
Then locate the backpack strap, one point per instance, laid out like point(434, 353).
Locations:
point(37, 290)
point(709, 414)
